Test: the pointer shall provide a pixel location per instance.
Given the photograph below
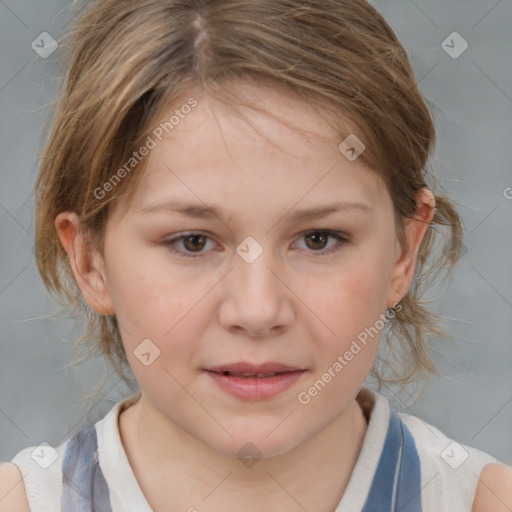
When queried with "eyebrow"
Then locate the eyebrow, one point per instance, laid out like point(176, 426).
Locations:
point(202, 211)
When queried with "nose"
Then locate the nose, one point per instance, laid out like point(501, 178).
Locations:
point(256, 299)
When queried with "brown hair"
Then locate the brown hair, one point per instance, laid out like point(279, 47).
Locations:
point(127, 60)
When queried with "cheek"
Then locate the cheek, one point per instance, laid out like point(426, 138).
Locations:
point(166, 312)
point(167, 307)
point(351, 298)
point(143, 290)
point(156, 305)
point(347, 340)
point(348, 305)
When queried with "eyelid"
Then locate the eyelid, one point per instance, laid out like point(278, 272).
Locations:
point(341, 237)
point(169, 243)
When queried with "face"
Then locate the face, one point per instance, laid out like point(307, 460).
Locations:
point(258, 281)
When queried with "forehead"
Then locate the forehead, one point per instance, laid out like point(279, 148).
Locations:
point(279, 149)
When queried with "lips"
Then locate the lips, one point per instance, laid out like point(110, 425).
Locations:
point(248, 370)
point(252, 382)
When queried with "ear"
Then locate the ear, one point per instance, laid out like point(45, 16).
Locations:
point(415, 229)
point(86, 263)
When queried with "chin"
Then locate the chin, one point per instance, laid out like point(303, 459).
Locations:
point(260, 441)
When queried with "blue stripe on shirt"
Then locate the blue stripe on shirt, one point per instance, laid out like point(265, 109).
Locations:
point(84, 488)
point(398, 469)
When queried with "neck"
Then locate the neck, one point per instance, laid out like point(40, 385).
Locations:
point(315, 472)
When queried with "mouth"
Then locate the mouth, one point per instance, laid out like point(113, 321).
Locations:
point(255, 382)
point(253, 375)
point(243, 369)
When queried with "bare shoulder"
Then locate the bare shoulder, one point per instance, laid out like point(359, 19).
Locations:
point(494, 490)
point(13, 497)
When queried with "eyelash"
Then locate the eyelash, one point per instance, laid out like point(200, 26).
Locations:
point(340, 237)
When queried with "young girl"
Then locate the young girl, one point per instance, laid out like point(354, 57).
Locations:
point(233, 193)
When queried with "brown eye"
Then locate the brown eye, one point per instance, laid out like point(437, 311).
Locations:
point(189, 245)
point(318, 240)
point(194, 242)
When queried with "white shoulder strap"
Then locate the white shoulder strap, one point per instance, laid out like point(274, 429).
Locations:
point(449, 470)
point(41, 469)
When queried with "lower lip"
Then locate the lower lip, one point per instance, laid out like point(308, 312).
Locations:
point(254, 388)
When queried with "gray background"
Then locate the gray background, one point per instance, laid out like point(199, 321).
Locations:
point(42, 400)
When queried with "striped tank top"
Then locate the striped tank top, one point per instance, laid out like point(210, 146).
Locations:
point(404, 464)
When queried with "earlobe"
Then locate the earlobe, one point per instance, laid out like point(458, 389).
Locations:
point(415, 230)
point(85, 262)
